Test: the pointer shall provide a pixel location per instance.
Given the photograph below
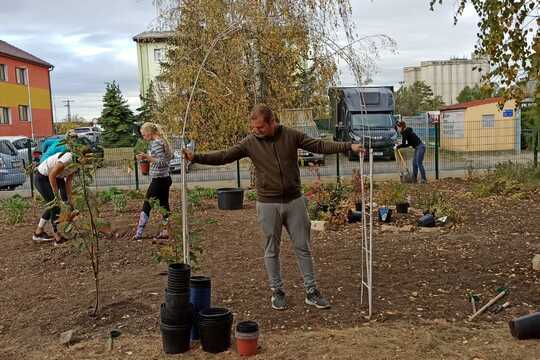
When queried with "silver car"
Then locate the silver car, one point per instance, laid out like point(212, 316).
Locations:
point(11, 166)
point(306, 157)
point(176, 162)
point(21, 145)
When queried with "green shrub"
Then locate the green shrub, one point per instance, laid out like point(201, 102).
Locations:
point(195, 196)
point(107, 195)
point(251, 195)
point(119, 202)
point(14, 208)
point(507, 179)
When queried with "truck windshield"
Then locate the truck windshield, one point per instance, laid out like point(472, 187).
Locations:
point(372, 120)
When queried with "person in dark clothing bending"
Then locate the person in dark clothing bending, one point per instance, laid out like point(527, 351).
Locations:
point(409, 138)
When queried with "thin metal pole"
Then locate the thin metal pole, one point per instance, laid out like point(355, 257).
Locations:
point(437, 145)
point(136, 173)
point(337, 167)
point(30, 166)
point(185, 234)
point(370, 276)
point(29, 102)
point(363, 239)
point(238, 185)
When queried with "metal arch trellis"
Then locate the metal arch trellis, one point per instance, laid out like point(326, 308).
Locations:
point(366, 246)
point(185, 231)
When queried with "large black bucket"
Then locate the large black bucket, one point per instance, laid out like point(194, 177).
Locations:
point(215, 329)
point(230, 198)
point(526, 327)
point(176, 338)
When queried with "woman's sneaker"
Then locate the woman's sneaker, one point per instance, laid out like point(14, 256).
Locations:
point(314, 298)
point(42, 237)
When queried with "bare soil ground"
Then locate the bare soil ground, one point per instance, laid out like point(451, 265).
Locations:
point(420, 278)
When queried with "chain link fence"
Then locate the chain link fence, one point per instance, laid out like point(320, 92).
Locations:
point(475, 144)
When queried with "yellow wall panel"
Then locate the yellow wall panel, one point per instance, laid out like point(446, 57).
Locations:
point(12, 95)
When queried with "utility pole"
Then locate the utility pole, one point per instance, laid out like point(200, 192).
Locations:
point(68, 105)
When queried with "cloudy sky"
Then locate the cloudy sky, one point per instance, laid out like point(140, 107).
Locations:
point(90, 42)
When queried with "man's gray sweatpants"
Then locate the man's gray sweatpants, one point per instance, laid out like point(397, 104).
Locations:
point(293, 215)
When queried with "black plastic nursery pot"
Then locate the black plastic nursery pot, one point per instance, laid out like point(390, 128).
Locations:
point(175, 300)
point(526, 327)
point(215, 329)
point(177, 316)
point(200, 296)
point(178, 278)
point(176, 338)
point(354, 216)
point(402, 208)
point(230, 198)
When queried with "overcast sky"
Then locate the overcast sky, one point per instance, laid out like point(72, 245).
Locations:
point(90, 42)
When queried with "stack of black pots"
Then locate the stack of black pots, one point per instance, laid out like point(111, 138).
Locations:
point(176, 314)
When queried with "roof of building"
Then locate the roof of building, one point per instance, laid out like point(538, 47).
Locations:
point(13, 51)
point(469, 104)
point(148, 36)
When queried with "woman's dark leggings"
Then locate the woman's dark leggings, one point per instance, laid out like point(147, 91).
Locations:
point(158, 189)
point(43, 185)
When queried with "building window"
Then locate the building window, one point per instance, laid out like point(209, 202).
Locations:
point(488, 120)
point(159, 55)
point(3, 72)
point(22, 77)
point(23, 112)
point(4, 115)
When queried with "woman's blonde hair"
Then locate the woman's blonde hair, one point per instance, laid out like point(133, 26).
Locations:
point(156, 129)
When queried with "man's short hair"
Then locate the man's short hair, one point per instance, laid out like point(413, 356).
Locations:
point(263, 111)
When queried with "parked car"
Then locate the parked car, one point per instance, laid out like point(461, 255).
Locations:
point(176, 162)
point(11, 166)
point(306, 157)
point(95, 148)
point(91, 133)
point(21, 145)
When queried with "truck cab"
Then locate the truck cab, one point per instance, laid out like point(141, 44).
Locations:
point(365, 115)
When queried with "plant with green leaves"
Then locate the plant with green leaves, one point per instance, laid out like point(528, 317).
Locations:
point(116, 118)
point(88, 227)
point(198, 194)
point(283, 53)
point(107, 195)
point(251, 195)
point(119, 202)
point(392, 193)
point(171, 252)
point(509, 36)
point(14, 208)
point(416, 98)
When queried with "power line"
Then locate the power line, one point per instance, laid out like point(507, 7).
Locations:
point(68, 105)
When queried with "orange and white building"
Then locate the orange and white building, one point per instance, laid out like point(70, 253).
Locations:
point(25, 94)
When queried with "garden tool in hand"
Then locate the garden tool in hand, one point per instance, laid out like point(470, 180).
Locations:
point(404, 173)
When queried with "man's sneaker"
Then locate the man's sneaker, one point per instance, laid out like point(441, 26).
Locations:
point(278, 300)
point(314, 298)
point(42, 237)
